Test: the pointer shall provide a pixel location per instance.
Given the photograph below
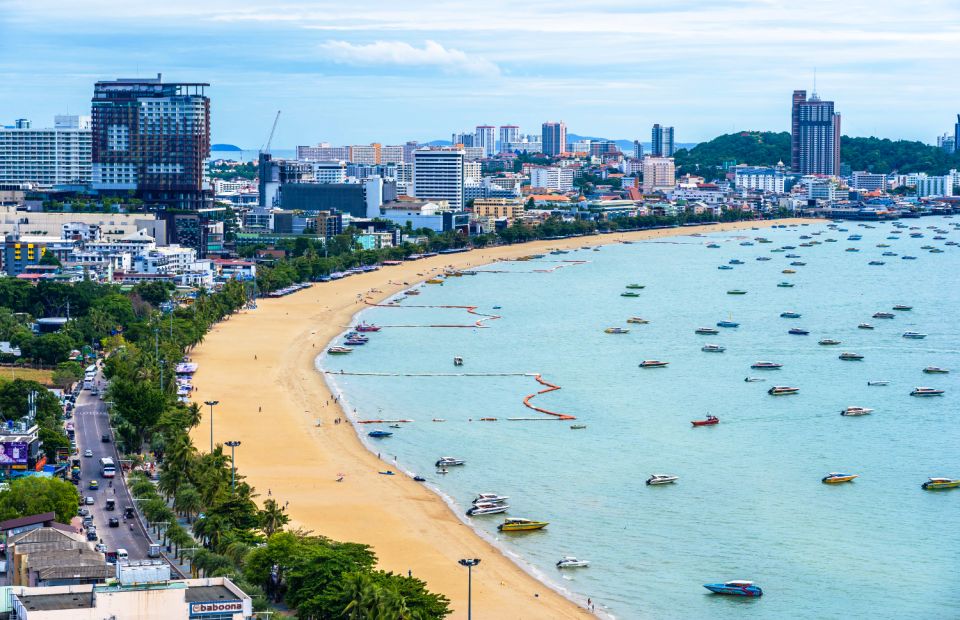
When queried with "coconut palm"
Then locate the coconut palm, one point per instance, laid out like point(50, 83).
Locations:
point(187, 500)
point(273, 517)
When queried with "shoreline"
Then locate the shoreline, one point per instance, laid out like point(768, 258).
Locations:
point(259, 366)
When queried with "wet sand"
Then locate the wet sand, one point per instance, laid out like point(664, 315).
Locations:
point(260, 365)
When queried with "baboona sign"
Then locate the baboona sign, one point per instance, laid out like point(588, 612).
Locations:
point(197, 609)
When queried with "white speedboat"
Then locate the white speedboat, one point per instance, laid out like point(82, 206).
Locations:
point(490, 498)
point(447, 461)
point(713, 348)
point(853, 411)
point(486, 509)
point(914, 335)
point(568, 561)
point(878, 382)
point(662, 479)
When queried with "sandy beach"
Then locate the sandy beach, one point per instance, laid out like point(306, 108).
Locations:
point(260, 365)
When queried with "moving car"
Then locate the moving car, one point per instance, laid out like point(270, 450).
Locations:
point(94, 485)
point(105, 438)
point(88, 501)
point(88, 452)
point(113, 522)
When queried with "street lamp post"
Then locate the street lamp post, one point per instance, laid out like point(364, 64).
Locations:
point(211, 403)
point(469, 563)
point(233, 466)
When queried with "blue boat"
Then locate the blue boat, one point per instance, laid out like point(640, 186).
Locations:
point(735, 588)
point(727, 324)
point(354, 342)
point(724, 267)
point(789, 315)
point(379, 433)
point(796, 331)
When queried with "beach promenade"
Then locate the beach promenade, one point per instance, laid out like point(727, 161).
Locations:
point(259, 365)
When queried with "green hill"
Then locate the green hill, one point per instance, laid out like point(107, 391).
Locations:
point(766, 148)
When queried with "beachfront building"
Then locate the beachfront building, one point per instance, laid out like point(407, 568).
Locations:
point(554, 138)
point(438, 175)
point(552, 177)
point(43, 158)
point(815, 135)
point(661, 141)
point(659, 174)
point(761, 178)
point(498, 208)
point(868, 181)
point(152, 138)
point(927, 186)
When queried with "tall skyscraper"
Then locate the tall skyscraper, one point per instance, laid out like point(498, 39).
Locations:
point(485, 138)
point(462, 138)
point(438, 175)
point(814, 135)
point(152, 138)
point(956, 135)
point(59, 155)
point(661, 141)
point(508, 134)
point(637, 149)
point(554, 138)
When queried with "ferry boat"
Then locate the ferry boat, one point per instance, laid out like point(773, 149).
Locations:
point(725, 267)
point(656, 479)
point(486, 508)
point(448, 461)
point(766, 365)
point(710, 421)
point(883, 315)
point(379, 433)
point(914, 335)
point(636, 286)
point(854, 357)
point(790, 315)
point(616, 330)
point(785, 285)
point(855, 411)
point(727, 324)
point(926, 391)
point(796, 331)
point(653, 364)
point(934, 484)
point(568, 561)
point(629, 294)
point(735, 588)
point(902, 308)
point(837, 478)
point(712, 348)
point(782, 390)
point(829, 342)
point(736, 291)
point(339, 350)
point(878, 382)
point(935, 370)
point(521, 525)
point(706, 331)
point(864, 326)
point(637, 320)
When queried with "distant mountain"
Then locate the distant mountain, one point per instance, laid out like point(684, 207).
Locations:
point(225, 147)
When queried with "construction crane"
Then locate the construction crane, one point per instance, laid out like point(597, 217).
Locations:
point(266, 147)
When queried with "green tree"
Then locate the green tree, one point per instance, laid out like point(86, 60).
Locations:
point(66, 374)
point(35, 495)
point(272, 517)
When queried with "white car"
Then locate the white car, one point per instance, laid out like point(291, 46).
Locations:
point(88, 452)
point(88, 501)
point(102, 548)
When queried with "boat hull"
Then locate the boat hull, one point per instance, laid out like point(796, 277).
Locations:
point(720, 588)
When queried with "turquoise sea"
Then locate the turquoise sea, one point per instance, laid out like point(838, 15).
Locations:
point(749, 503)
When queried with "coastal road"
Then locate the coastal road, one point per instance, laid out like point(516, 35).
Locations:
point(91, 422)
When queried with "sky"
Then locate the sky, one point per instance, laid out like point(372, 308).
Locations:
point(388, 71)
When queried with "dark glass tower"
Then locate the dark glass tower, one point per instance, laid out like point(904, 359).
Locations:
point(814, 135)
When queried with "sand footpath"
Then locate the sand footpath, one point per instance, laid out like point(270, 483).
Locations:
point(260, 365)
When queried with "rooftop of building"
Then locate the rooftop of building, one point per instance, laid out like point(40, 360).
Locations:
point(205, 594)
point(11, 524)
point(51, 602)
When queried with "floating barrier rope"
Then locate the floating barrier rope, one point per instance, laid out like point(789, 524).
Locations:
point(469, 309)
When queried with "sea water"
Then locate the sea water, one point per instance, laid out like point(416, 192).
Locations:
point(749, 503)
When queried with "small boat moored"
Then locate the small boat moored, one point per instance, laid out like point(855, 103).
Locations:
point(836, 478)
point(766, 365)
point(855, 411)
point(935, 370)
point(486, 508)
point(782, 390)
point(706, 331)
point(878, 382)
point(829, 342)
point(713, 348)
point(736, 291)
point(914, 335)
point(653, 364)
point(883, 315)
point(637, 320)
point(789, 315)
point(934, 484)
point(711, 420)
point(727, 324)
point(855, 357)
point(379, 433)
point(735, 588)
point(902, 308)
point(616, 330)
point(521, 525)
point(339, 350)
point(864, 326)
point(448, 461)
point(785, 285)
point(568, 561)
point(656, 479)
point(796, 331)
point(926, 391)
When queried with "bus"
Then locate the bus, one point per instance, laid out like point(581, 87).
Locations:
point(107, 468)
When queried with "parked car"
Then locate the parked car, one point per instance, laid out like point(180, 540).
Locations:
point(92, 534)
point(87, 521)
point(102, 548)
point(83, 512)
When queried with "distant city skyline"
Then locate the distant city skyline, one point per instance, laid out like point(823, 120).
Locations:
point(377, 71)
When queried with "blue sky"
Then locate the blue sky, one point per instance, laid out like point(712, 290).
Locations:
point(357, 72)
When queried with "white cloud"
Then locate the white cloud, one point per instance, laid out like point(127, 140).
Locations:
point(400, 54)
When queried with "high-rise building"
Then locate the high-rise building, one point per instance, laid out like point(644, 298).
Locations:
point(438, 175)
point(600, 148)
point(552, 177)
point(956, 135)
point(637, 149)
point(815, 135)
point(59, 155)
point(152, 138)
point(365, 153)
point(462, 138)
point(508, 134)
point(485, 138)
point(659, 174)
point(661, 141)
point(554, 138)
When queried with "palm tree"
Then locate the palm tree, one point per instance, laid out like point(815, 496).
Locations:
point(194, 415)
point(273, 517)
point(187, 500)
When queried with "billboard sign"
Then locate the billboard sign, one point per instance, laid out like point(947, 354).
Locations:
point(217, 607)
point(14, 453)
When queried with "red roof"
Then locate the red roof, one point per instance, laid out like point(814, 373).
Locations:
point(30, 276)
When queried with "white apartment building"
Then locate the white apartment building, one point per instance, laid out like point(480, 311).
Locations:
point(323, 152)
point(552, 177)
point(819, 188)
point(472, 171)
point(59, 155)
point(392, 154)
point(523, 146)
point(659, 174)
point(485, 138)
point(438, 175)
point(329, 171)
point(868, 181)
point(631, 166)
point(759, 178)
point(471, 153)
point(934, 186)
point(508, 135)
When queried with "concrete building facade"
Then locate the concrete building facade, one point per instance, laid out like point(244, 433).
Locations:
point(58, 155)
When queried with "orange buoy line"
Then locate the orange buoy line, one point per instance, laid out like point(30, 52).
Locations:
point(550, 388)
point(469, 309)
